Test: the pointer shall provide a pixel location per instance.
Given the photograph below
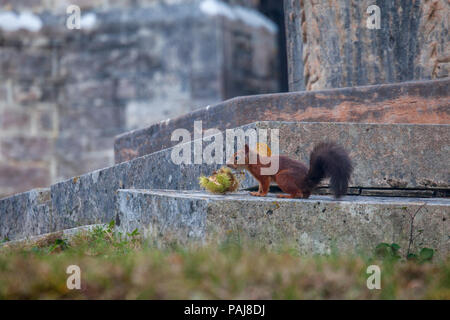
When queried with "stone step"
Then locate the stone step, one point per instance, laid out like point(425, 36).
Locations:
point(420, 102)
point(26, 214)
point(49, 238)
point(386, 156)
point(315, 225)
point(407, 157)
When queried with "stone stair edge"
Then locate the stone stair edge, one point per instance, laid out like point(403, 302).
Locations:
point(332, 106)
point(259, 96)
point(39, 189)
point(309, 224)
point(48, 238)
point(284, 122)
point(244, 195)
point(343, 123)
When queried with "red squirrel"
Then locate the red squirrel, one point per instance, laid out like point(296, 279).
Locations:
point(327, 159)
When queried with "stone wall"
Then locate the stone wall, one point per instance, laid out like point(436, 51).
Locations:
point(330, 46)
point(65, 94)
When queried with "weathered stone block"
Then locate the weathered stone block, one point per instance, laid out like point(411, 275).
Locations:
point(107, 64)
point(46, 119)
point(30, 92)
point(424, 102)
point(84, 152)
point(88, 94)
point(329, 44)
point(25, 64)
point(316, 225)
point(106, 120)
point(15, 119)
point(26, 148)
point(25, 214)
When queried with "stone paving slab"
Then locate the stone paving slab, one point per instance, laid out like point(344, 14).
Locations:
point(315, 225)
point(25, 214)
point(420, 102)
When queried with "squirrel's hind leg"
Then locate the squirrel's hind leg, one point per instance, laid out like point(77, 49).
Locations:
point(288, 184)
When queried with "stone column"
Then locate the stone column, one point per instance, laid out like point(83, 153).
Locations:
point(330, 45)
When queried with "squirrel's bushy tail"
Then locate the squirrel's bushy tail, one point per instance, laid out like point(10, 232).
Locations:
point(330, 160)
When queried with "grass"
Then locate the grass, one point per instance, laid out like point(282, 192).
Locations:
point(117, 267)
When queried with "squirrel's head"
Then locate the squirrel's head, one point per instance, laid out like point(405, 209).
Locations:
point(240, 159)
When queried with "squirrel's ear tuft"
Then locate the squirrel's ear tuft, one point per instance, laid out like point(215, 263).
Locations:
point(247, 149)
